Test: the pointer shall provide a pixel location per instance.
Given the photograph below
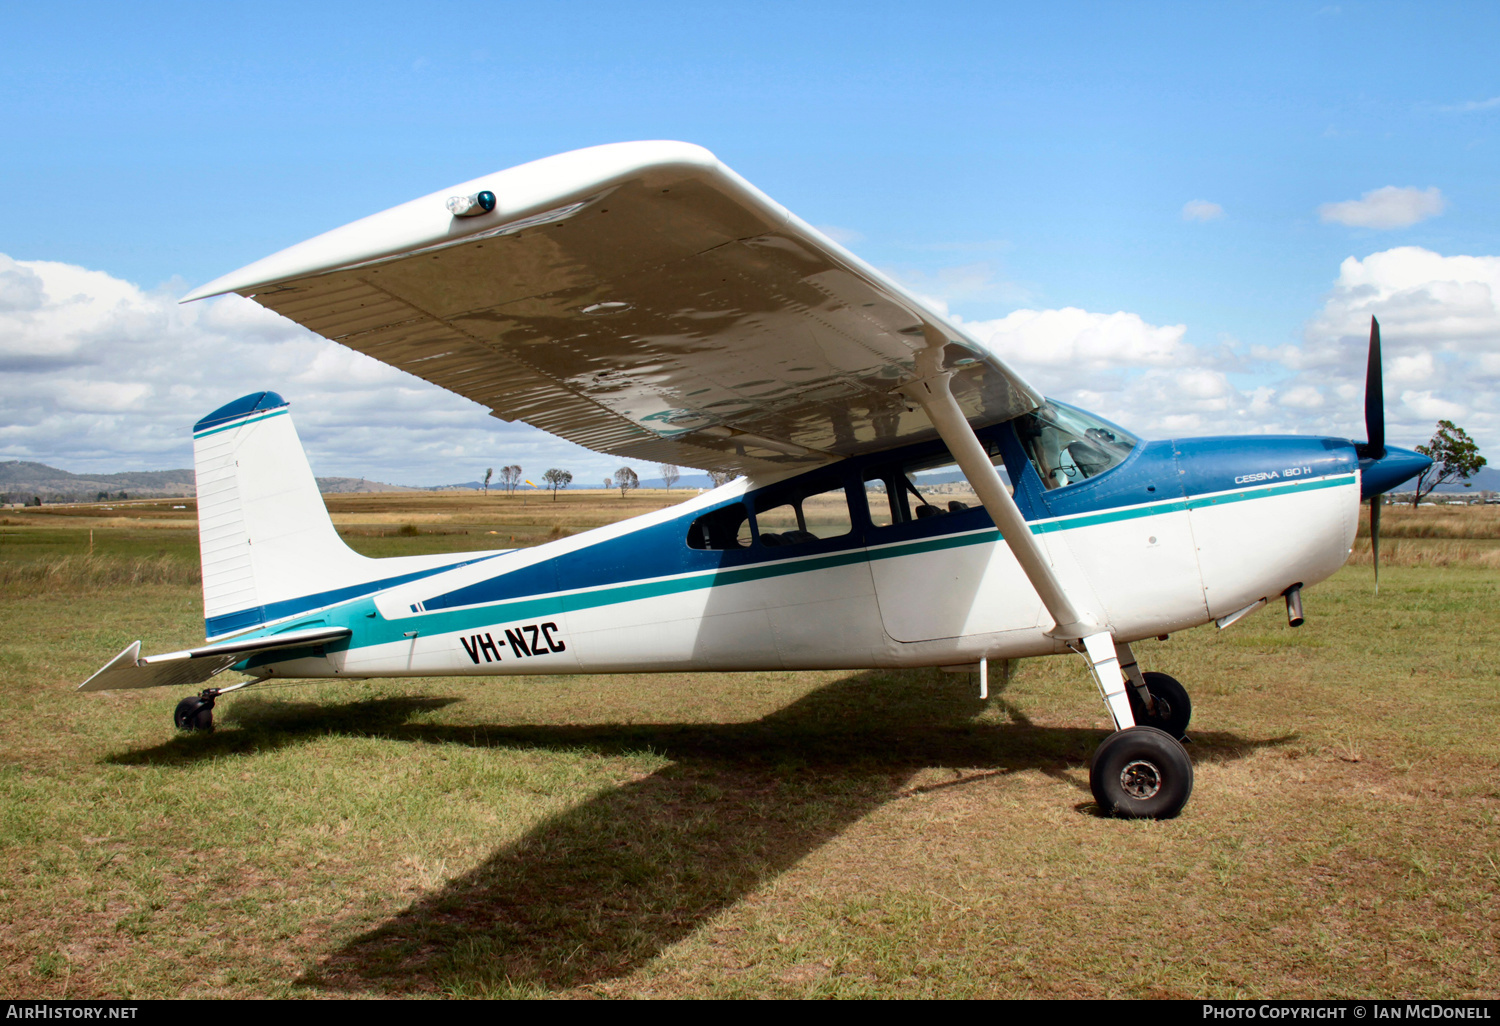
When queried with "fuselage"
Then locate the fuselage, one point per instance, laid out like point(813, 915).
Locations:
point(866, 562)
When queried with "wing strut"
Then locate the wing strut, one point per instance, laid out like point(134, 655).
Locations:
point(1081, 629)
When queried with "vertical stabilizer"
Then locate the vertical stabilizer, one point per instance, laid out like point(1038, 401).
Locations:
point(264, 534)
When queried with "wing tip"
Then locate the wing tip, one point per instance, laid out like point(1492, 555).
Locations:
point(424, 221)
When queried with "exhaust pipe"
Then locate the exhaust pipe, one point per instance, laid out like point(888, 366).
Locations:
point(1294, 617)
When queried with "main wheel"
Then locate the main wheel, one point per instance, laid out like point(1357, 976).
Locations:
point(1173, 707)
point(194, 713)
point(1141, 773)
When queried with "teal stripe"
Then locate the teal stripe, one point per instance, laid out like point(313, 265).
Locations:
point(1200, 502)
point(367, 633)
point(241, 423)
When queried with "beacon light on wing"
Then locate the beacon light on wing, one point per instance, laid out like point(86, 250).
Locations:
point(472, 206)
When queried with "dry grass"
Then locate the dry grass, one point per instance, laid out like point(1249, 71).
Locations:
point(1435, 522)
point(1423, 552)
point(87, 573)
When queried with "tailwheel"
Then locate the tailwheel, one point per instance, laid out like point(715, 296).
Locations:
point(1173, 707)
point(196, 712)
point(1141, 773)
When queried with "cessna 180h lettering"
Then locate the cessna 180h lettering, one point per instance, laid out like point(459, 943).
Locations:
point(906, 498)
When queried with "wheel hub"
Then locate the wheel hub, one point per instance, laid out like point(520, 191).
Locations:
point(1140, 779)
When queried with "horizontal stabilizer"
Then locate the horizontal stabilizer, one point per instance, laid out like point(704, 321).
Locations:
point(196, 665)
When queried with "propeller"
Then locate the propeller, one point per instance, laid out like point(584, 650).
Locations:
point(1375, 432)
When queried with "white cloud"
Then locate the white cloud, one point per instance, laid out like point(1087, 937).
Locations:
point(1302, 397)
point(1079, 340)
point(1201, 210)
point(1440, 339)
point(97, 374)
point(1440, 330)
point(1473, 105)
point(1434, 408)
point(1389, 207)
point(1145, 376)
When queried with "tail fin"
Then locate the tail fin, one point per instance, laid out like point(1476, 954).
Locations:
point(267, 543)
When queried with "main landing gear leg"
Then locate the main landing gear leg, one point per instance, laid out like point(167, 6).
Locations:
point(1139, 771)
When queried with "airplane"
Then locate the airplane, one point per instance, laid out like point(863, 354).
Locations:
point(643, 300)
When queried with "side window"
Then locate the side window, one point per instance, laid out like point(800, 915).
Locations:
point(801, 519)
point(932, 486)
point(726, 528)
point(880, 499)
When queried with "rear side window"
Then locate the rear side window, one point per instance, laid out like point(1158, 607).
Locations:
point(726, 528)
point(800, 519)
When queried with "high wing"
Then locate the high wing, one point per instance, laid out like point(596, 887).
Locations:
point(640, 299)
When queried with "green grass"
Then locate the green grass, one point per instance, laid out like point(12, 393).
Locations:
point(748, 835)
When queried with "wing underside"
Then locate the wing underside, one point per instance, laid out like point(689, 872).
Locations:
point(641, 300)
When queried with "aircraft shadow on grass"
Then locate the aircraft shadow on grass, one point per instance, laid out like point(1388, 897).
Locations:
point(597, 891)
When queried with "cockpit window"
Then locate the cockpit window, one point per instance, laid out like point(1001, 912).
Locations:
point(1067, 445)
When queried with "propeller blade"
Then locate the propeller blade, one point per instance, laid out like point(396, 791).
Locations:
point(1374, 397)
point(1376, 501)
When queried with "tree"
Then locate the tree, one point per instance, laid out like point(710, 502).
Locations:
point(510, 478)
point(557, 479)
point(721, 477)
point(670, 475)
point(487, 475)
point(1454, 455)
point(608, 483)
point(625, 480)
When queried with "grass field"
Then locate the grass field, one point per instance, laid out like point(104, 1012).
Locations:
point(773, 834)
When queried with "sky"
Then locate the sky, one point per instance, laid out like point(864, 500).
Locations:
point(1180, 216)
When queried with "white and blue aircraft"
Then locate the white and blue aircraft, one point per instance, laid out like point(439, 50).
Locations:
point(643, 300)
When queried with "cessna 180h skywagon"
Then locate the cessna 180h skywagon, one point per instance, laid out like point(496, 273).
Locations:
point(907, 498)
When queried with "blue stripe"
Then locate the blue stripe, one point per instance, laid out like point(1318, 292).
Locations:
point(241, 619)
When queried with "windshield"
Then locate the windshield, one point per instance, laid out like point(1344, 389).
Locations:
point(1067, 445)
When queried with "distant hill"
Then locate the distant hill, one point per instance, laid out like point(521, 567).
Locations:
point(1487, 480)
point(19, 477)
point(20, 480)
point(352, 485)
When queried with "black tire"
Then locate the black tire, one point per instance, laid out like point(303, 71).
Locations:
point(194, 713)
point(1174, 709)
point(1141, 773)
